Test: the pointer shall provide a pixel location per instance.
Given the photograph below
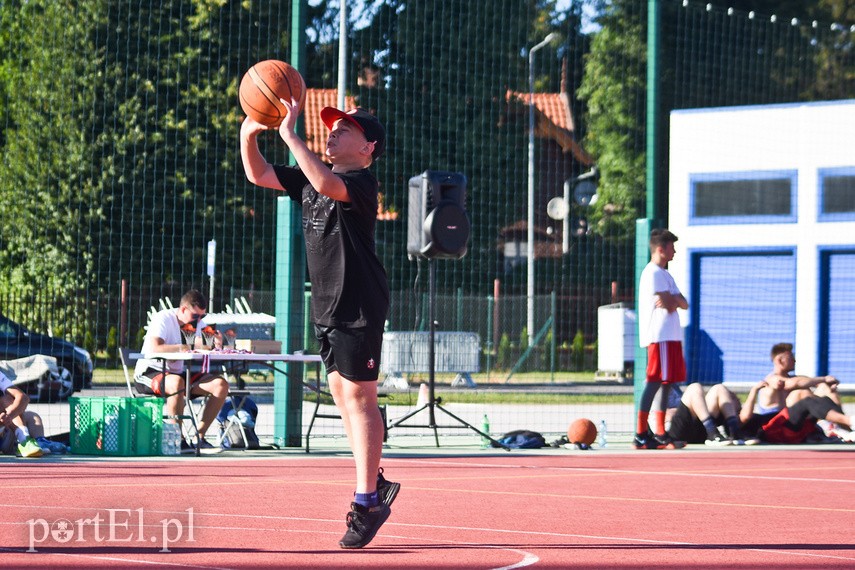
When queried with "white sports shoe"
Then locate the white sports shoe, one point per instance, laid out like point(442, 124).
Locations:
point(719, 441)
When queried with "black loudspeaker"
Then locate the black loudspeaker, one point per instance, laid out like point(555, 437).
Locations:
point(438, 226)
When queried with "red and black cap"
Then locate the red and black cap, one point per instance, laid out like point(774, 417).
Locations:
point(364, 121)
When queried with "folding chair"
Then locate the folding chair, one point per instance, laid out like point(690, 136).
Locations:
point(128, 365)
point(237, 398)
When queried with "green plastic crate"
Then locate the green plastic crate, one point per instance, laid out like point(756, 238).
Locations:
point(116, 426)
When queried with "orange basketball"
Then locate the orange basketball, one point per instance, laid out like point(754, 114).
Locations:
point(582, 431)
point(264, 84)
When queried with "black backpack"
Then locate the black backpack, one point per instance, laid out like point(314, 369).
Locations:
point(522, 439)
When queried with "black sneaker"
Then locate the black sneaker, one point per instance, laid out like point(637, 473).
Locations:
point(650, 440)
point(363, 523)
point(187, 447)
point(665, 441)
point(386, 490)
point(719, 440)
point(208, 448)
point(645, 441)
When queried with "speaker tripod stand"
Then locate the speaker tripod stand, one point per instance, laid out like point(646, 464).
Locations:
point(433, 404)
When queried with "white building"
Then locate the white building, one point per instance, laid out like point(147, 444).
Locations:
point(763, 202)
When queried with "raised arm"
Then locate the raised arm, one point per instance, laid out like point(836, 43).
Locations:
point(319, 174)
point(257, 169)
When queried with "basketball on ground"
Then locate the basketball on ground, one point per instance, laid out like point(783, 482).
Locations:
point(582, 431)
point(264, 84)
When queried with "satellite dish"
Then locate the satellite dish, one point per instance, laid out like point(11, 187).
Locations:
point(557, 208)
point(585, 193)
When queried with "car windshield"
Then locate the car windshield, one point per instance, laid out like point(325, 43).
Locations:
point(7, 328)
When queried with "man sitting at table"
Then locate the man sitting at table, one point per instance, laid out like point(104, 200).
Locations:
point(179, 330)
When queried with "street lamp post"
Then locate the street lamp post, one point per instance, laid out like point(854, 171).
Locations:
point(342, 54)
point(530, 233)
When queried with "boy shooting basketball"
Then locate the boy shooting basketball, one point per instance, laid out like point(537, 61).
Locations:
point(659, 330)
point(350, 294)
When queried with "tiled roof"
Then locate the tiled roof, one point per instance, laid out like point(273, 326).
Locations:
point(553, 119)
point(316, 131)
point(550, 105)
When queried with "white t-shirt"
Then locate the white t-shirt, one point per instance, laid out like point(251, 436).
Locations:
point(656, 324)
point(164, 325)
point(5, 383)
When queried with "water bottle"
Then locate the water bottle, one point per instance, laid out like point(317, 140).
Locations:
point(111, 432)
point(170, 439)
point(165, 440)
point(177, 438)
point(602, 430)
point(485, 428)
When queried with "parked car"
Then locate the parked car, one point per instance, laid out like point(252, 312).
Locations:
point(74, 362)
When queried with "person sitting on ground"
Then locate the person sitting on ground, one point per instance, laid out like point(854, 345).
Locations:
point(799, 423)
point(696, 417)
point(13, 404)
point(165, 334)
point(31, 423)
point(782, 386)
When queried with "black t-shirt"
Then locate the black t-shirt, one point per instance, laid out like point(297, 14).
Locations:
point(349, 286)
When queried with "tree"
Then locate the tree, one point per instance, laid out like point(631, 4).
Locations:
point(613, 89)
point(709, 57)
point(46, 183)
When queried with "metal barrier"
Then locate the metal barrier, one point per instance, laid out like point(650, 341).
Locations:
point(407, 352)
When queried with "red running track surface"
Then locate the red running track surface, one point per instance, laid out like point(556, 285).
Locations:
point(770, 508)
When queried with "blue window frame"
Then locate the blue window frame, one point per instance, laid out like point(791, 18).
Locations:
point(836, 313)
point(836, 194)
point(755, 197)
point(743, 300)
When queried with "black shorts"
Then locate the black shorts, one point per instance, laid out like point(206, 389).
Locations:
point(752, 427)
point(8, 441)
point(686, 427)
point(353, 353)
point(150, 382)
point(815, 407)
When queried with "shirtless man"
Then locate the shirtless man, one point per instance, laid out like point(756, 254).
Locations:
point(781, 388)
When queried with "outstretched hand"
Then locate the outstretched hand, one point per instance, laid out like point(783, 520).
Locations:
point(250, 127)
point(289, 123)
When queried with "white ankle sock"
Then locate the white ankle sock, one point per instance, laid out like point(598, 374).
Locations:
point(22, 434)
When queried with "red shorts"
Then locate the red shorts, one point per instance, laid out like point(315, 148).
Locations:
point(665, 363)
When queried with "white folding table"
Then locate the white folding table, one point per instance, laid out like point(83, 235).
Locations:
point(235, 358)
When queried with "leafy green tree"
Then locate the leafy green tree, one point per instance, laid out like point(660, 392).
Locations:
point(47, 187)
point(708, 58)
point(613, 89)
point(112, 343)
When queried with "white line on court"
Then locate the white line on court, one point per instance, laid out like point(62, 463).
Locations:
point(528, 558)
point(103, 558)
point(424, 463)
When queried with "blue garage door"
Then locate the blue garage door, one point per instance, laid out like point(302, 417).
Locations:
point(742, 304)
point(838, 326)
